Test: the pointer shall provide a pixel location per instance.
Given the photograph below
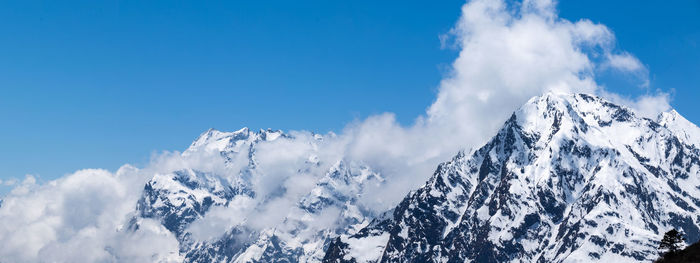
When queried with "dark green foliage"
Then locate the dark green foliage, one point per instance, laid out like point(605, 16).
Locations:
point(671, 242)
point(687, 255)
point(670, 248)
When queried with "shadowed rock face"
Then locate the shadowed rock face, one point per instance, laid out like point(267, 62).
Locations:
point(173, 197)
point(296, 239)
point(567, 178)
point(182, 198)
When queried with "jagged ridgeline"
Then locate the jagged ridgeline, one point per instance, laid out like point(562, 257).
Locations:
point(568, 178)
point(183, 198)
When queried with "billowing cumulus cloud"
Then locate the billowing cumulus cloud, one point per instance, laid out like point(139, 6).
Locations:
point(512, 53)
point(509, 52)
point(79, 213)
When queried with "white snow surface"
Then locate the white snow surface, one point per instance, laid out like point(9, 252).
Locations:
point(230, 209)
point(367, 249)
point(600, 182)
point(680, 126)
point(569, 178)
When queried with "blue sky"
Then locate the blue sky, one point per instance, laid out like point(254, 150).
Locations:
point(88, 84)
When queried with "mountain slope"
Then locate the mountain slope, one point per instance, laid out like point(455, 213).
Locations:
point(190, 201)
point(330, 209)
point(685, 130)
point(569, 178)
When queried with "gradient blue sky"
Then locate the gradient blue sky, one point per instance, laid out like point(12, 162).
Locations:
point(96, 84)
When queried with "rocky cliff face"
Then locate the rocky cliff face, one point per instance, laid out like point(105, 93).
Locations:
point(183, 198)
point(569, 178)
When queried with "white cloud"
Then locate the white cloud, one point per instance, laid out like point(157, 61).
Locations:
point(80, 212)
point(629, 64)
point(646, 105)
point(508, 54)
point(10, 182)
point(219, 219)
point(624, 62)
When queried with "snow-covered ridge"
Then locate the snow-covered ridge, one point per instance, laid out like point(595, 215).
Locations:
point(190, 201)
point(685, 130)
point(217, 141)
point(569, 178)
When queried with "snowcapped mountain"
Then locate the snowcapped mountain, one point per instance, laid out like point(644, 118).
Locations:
point(685, 130)
point(226, 205)
point(181, 197)
point(328, 210)
point(568, 178)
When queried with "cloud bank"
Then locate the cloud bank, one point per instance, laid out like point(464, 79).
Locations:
point(509, 52)
point(76, 218)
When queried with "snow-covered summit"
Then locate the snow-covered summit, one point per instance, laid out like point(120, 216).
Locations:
point(331, 208)
point(568, 178)
point(189, 200)
point(685, 130)
point(217, 141)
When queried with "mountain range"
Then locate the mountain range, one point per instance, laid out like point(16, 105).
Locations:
point(567, 178)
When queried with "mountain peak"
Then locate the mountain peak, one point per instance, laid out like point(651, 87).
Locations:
point(670, 116)
point(581, 103)
point(685, 130)
point(213, 140)
point(568, 178)
point(558, 113)
point(270, 134)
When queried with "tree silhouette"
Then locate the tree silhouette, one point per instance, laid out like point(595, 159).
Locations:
point(671, 242)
